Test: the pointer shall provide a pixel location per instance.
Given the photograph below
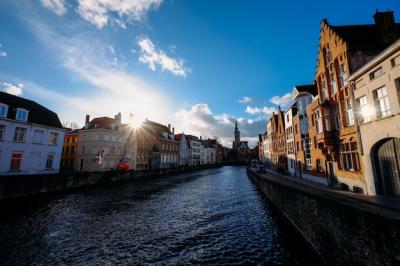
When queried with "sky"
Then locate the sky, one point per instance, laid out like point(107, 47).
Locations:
point(198, 65)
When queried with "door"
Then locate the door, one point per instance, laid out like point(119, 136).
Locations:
point(387, 159)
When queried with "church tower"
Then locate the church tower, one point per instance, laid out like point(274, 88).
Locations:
point(237, 134)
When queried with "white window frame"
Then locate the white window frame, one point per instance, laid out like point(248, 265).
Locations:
point(53, 138)
point(19, 134)
point(382, 102)
point(21, 114)
point(348, 109)
point(50, 158)
point(363, 116)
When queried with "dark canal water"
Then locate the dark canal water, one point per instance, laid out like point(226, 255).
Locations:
point(213, 216)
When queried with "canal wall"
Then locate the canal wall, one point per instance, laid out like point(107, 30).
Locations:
point(342, 227)
point(18, 186)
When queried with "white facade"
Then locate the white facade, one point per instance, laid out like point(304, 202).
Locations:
point(267, 143)
point(203, 154)
point(194, 152)
point(102, 149)
point(183, 151)
point(376, 93)
point(290, 143)
point(27, 148)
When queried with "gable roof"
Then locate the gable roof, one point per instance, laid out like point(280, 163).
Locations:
point(38, 114)
point(363, 37)
point(309, 88)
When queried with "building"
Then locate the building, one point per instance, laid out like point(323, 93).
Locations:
point(278, 138)
point(104, 144)
point(167, 148)
point(183, 149)
point(241, 148)
point(290, 140)
point(303, 96)
point(376, 94)
point(31, 137)
point(157, 147)
point(70, 149)
point(207, 153)
point(194, 150)
point(268, 144)
point(342, 50)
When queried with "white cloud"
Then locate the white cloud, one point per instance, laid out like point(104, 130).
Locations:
point(263, 110)
point(152, 56)
point(99, 12)
point(110, 89)
point(13, 89)
point(199, 120)
point(282, 100)
point(2, 53)
point(58, 7)
point(245, 99)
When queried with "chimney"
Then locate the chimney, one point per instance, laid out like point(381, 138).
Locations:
point(200, 138)
point(173, 130)
point(87, 120)
point(118, 117)
point(169, 127)
point(386, 25)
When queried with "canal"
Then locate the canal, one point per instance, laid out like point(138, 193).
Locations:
point(215, 216)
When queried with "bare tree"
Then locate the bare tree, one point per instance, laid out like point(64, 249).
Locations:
point(71, 125)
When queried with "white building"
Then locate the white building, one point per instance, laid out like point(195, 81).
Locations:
point(290, 142)
point(268, 146)
point(31, 137)
point(104, 144)
point(376, 94)
point(194, 150)
point(183, 149)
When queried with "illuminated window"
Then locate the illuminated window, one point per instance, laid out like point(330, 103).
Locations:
point(16, 159)
point(364, 110)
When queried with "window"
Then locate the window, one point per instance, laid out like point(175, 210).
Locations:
point(2, 131)
point(349, 160)
point(3, 110)
point(53, 138)
point(16, 159)
point(375, 74)
point(332, 83)
point(38, 136)
point(336, 117)
point(395, 61)
point(318, 120)
point(49, 161)
point(382, 102)
point(348, 109)
point(319, 165)
point(308, 164)
point(397, 83)
point(363, 110)
point(324, 91)
point(342, 75)
point(22, 114)
point(19, 135)
point(327, 119)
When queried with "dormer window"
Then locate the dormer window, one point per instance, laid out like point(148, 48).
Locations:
point(21, 114)
point(3, 110)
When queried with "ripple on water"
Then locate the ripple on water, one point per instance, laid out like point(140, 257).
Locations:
point(209, 217)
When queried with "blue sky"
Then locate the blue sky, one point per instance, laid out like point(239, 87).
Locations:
point(188, 63)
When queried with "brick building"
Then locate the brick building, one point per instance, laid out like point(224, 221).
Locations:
point(278, 137)
point(70, 149)
point(335, 142)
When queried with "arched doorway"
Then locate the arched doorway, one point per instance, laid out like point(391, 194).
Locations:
point(386, 159)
